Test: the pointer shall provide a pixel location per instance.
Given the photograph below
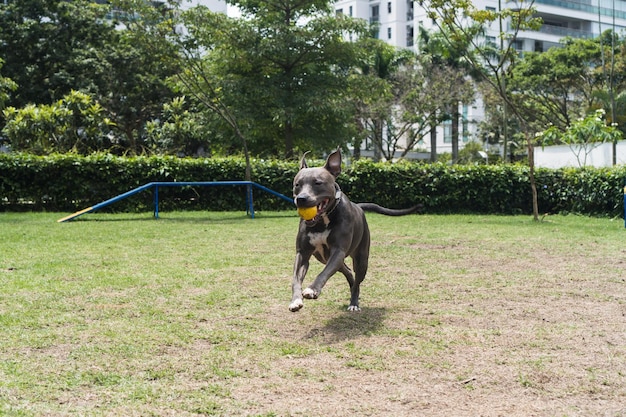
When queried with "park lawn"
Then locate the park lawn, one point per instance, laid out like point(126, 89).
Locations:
point(121, 314)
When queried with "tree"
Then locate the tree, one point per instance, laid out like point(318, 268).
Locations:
point(422, 91)
point(375, 104)
point(53, 47)
point(556, 86)
point(277, 75)
point(465, 24)
point(447, 55)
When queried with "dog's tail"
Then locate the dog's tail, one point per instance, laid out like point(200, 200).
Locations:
point(390, 212)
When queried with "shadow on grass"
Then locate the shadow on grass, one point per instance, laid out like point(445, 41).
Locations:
point(345, 326)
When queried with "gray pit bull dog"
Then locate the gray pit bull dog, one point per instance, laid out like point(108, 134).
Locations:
point(338, 230)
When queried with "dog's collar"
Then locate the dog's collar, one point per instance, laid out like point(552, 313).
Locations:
point(337, 199)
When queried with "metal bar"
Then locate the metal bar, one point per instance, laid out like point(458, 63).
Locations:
point(122, 196)
point(249, 195)
point(106, 202)
point(284, 197)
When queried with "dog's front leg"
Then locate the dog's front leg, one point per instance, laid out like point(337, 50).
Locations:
point(335, 263)
point(300, 268)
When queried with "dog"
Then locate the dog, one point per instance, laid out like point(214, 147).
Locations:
point(338, 230)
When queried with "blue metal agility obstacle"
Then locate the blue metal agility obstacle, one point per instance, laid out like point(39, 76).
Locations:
point(155, 185)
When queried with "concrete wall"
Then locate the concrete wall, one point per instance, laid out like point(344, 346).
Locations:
point(600, 155)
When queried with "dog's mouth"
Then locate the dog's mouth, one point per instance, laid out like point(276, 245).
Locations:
point(322, 206)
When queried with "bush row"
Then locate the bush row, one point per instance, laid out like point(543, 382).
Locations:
point(70, 182)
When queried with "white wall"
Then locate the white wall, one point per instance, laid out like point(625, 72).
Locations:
point(563, 156)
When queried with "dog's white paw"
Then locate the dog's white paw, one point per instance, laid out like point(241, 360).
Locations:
point(296, 305)
point(354, 308)
point(309, 294)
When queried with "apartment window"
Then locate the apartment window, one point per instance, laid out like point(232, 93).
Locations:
point(388, 7)
point(447, 131)
point(374, 14)
point(350, 11)
point(388, 33)
point(409, 36)
point(490, 9)
point(339, 12)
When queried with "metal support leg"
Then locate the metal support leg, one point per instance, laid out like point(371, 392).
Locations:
point(156, 201)
point(249, 201)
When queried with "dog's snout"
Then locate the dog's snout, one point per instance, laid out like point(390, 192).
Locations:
point(302, 200)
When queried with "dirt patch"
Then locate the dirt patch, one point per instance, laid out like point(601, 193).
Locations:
point(474, 332)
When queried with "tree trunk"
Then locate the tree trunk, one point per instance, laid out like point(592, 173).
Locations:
point(433, 142)
point(378, 140)
point(455, 132)
point(531, 174)
point(358, 140)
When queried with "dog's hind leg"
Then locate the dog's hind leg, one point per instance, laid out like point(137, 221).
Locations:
point(359, 262)
point(347, 272)
point(345, 269)
point(360, 269)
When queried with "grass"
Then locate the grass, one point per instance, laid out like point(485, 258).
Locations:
point(124, 315)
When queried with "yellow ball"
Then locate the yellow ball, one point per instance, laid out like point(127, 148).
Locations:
point(307, 213)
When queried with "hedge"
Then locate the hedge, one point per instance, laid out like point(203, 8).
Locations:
point(69, 182)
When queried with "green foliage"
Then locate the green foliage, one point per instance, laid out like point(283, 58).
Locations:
point(7, 86)
point(556, 86)
point(74, 123)
point(71, 182)
point(471, 153)
point(51, 47)
point(179, 131)
point(590, 129)
point(68, 182)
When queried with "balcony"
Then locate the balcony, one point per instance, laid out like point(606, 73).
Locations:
point(587, 7)
point(563, 32)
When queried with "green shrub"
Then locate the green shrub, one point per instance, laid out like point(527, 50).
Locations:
point(69, 182)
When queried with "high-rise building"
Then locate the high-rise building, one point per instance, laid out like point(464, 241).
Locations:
point(398, 22)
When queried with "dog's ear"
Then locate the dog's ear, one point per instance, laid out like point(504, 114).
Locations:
point(333, 163)
point(303, 161)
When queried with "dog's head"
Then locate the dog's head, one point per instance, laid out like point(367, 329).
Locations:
point(316, 186)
